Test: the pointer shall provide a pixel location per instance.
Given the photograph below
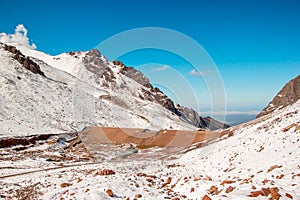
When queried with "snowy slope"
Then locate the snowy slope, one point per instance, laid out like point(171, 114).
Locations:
point(72, 97)
point(261, 160)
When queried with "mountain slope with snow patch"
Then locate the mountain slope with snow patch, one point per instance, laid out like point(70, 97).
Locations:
point(72, 96)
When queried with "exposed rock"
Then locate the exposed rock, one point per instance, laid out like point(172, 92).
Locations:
point(206, 197)
point(173, 165)
point(155, 94)
point(208, 178)
point(168, 181)
point(94, 53)
point(266, 192)
point(274, 193)
point(63, 185)
point(288, 95)
point(98, 66)
point(105, 172)
point(288, 195)
point(110, 192)
point(255, 193)
point(227, 182)
point(117, 62)
point(22, 140)
point(195, 119)
point(134, 74)
point(192, 116)
point(25, 61)
point(213, 124)
point(229, 189)
point(72, 53)
point(274, 167)
point(141, 174)
point(213, 190)
point(287, 128)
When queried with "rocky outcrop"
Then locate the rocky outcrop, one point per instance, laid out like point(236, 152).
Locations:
point(195, 119)
point(192, 116)
point(213, 124)
point(98, 66)
point(155, 94)
point(117, 62)
point(26, 62)
point(288, 95)
point(105, 172)
point(134, 74)
point(163, 100)
point(17, 141)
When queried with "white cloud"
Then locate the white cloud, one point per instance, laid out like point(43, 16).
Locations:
point(162, 68)
point(19, 38)
point(201, 73)
point(196, 73)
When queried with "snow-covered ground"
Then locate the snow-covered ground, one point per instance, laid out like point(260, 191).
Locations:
point(261, 157)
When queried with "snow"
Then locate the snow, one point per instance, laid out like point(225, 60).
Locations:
point(263, 153)
point(65, 61)
point(246, 159)
point(69, 98)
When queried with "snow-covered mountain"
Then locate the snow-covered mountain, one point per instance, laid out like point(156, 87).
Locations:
point(70, 91)
point(289, 94)
point(258, 160)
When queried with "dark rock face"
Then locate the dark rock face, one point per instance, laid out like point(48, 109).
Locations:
point(195, 119)
point(167, 103)
point(25, 61)
point(26, 140)
point(192, 116)
point(288, 95)
point(213, 124)
point(155, 95)
point(96, 65)
point(134, 74)
point(117, 62)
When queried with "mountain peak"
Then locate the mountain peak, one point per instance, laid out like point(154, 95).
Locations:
point(288, 95)
point(94, 52)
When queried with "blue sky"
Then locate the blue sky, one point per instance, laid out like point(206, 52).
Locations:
point(255, 44)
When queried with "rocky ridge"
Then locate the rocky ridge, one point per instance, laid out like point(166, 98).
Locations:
point(115, 93)
point(154, 94)
point(25, 61)
point(288, 95)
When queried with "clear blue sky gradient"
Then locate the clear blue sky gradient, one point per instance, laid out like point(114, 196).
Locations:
point(254, 43)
